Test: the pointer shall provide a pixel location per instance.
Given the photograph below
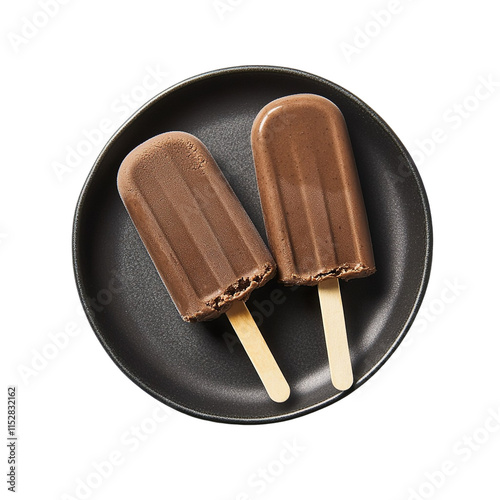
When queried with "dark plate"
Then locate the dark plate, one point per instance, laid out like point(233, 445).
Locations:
point(201, 369)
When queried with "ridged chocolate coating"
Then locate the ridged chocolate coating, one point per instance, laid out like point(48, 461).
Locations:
point(202, 242)
point(310, 193)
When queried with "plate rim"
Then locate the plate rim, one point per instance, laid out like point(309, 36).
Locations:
point(241, 70)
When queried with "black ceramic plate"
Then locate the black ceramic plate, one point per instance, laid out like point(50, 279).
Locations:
point(201, 369)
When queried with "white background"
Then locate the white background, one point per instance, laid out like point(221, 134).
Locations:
point(433, 403)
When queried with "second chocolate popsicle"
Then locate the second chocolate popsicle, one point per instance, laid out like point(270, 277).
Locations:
point(313, 207)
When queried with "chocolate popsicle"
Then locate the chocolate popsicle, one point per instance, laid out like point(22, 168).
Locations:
point(313, 207)
point(202, 242)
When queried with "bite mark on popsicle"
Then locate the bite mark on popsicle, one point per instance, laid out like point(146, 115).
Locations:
point(243, 285)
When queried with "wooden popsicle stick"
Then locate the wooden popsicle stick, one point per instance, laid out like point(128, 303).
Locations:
point(335, 333)
point(258, 352)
